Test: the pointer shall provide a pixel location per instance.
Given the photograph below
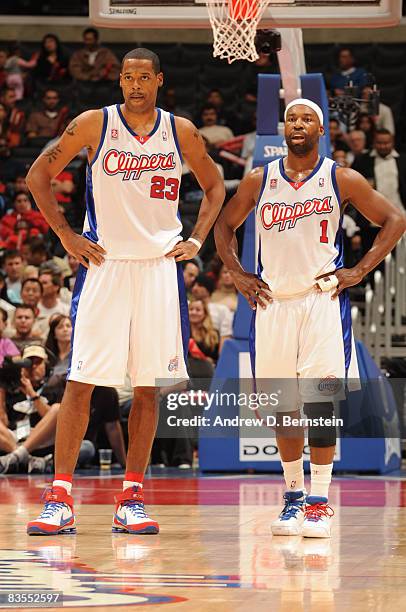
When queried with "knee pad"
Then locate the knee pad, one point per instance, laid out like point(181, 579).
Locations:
point(321, 435)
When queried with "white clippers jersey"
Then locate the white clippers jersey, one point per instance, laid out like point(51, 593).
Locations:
point(132, 189)
point(299, 227)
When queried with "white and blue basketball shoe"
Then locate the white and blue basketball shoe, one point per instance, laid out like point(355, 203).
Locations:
point(57, 516)
point(317, 517)
point(130, 515)
point(291, 518)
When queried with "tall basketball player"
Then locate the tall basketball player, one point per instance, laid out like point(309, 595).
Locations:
point(301, 326)
point(129, 306)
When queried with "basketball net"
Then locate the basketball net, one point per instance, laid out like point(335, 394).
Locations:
point(234, 24)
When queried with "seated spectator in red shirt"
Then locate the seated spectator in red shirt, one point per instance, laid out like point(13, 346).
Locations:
point(7, 346)
point(23, 323)
point(22, 212)
point(63, 187)
point(93, 62)
point(202, 330)
point(52, 62)
point(15, 118)
point(51, 120)
point(3, 71)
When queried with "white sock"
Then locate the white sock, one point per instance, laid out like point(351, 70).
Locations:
point(320, 479)
point(294, 474)
point(130, 483)
point(63, 483)
point(22, 454)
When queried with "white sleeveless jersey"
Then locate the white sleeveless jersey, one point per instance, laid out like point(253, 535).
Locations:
point(132, 189)
point(299, 226)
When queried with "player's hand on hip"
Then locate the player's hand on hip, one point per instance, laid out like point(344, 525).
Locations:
point(183, 251)
point(253, 289)
point(346, 277)
point(83, 249)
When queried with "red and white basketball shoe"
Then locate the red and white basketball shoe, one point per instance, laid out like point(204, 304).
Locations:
point(57, 516)
point(317, 518)
point(130, 515)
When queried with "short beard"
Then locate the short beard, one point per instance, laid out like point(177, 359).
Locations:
point(300, 149)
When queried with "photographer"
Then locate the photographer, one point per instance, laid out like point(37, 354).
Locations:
point(28, 412)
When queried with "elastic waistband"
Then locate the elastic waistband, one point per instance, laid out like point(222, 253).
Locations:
point(294, 296)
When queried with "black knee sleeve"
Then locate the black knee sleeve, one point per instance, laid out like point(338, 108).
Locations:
point(321, 434)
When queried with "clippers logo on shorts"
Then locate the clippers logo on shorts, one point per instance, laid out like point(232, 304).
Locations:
point(286, 215)
point(173, 364)
point(132, 166)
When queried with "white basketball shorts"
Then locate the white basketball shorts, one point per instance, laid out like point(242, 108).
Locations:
point(129, 315)
point(307, 339)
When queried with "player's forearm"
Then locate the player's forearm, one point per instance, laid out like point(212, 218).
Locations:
point(226, 244)
point(387, 238)
point(40, 187)
point(209, 210)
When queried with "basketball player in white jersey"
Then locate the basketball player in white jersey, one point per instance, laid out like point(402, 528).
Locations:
point(129, 308)
point(301, 326)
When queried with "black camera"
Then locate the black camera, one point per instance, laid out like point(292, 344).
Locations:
point(268, 41)
point(10, 373)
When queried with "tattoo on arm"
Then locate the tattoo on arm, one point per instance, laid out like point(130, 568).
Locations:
point(61, 226)
point(196, 134)
point(52, 153)
point(71, 128)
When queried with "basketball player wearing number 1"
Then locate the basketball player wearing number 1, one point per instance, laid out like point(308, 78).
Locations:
point(129, 308)
point(301, 326)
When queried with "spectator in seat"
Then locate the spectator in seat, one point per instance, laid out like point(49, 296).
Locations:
point(3, 71)
point(5, 303)
point(341, 158)
point(221, 316)
point(13, 267)
point(50, 302)
point(23, 322)
point(202, 330)
point(93, 62)
point(347, 72)
point(36, 254)
point(59, 343)
point(22, 212)
point(7, 346)
point(385, 168)
point(357, 141)
point(190, 273)
point(53, 61)
point(9, 167)
point(367, 125)
point(3, 121)
point(15, 118)
point(169, 104)
point(336, 139)
point(224, 117)
point(28, 417)
point(51, 120)
point(384, 119)
point(14, 67)
point(215, 133)
point(225, 293)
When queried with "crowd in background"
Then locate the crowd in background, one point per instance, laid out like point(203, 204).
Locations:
point(37, 276)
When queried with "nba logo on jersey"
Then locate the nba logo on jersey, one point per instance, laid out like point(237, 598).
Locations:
point(114, 133)
point(273, 183)
point(321, 182)
point(164, 135)
point(173, 364)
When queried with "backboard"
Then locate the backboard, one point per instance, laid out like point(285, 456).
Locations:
point(282, 13)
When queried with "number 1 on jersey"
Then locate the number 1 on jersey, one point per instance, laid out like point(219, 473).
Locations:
point(323, 225)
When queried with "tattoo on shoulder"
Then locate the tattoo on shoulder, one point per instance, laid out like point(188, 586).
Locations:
point(196, 134)
point(70, 130)
point(53, 153)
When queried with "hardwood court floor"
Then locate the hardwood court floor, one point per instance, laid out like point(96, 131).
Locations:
point(214, 552)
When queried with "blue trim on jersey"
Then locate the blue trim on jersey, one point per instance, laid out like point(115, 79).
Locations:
point(264, 179)
point(251, 343)
point(154, 129)
point(175, 136)
point(102, 137)
point(312, 173)
point(184, 311)
point(345, 304)
point(346, 325)
point(77, 291)
point(90, 208)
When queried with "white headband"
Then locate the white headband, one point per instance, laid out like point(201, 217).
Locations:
point(315, 107)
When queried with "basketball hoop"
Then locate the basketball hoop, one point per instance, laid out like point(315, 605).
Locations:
point(234, 24)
